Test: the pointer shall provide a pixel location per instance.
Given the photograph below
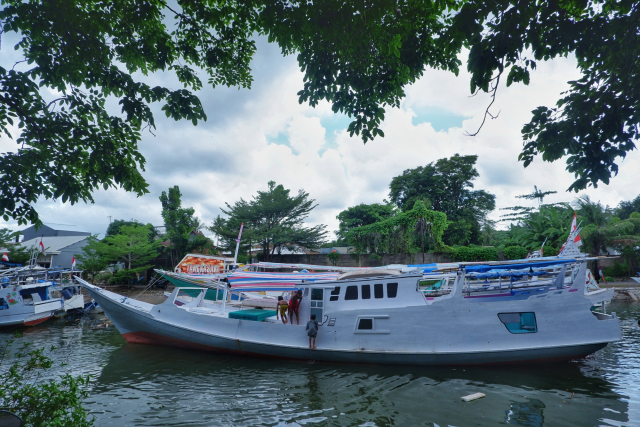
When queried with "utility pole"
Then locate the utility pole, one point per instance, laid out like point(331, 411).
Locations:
point(109, 216)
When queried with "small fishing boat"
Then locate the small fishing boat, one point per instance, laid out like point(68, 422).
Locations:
point(387, 319)
point(27, 304)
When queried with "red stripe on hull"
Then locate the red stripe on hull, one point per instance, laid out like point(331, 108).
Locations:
point(37, 321)
point(155, 339)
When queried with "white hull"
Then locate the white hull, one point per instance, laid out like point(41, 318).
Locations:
point(408, 328)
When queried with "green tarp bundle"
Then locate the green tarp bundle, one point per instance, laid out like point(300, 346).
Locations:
point(256, 314)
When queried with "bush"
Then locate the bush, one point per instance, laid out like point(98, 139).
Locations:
point(474, 253)
point(333, 257)
point(549, 251)
point(515, 252)
point(45, 402)
point(375, 258)
point(618, 269)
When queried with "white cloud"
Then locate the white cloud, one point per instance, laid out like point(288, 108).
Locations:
point(230, 156)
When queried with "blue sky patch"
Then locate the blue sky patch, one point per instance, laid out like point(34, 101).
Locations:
point(440, 119)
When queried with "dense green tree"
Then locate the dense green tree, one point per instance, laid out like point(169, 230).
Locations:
point(401, 233)
point(626, 208)
point(114, 226)
point(357, 55)
point(16, 253)
point(180, 225)
point(363, 214)
point(550, 223)
point(446, 186)
point(272, 218)
point(132, 247)
point(93, 260)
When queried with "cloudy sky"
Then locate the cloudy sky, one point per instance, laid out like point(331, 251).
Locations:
point(254, 136)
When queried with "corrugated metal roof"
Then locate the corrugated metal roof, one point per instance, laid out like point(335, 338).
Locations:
point(53, 244)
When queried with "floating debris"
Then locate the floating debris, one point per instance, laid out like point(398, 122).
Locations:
point(473, 396)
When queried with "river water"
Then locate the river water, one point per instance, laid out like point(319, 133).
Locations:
point(138, 385)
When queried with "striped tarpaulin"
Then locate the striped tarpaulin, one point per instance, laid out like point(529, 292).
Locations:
point(252, 280)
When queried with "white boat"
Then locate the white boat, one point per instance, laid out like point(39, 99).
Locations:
point(385, 319)
point(27, 304)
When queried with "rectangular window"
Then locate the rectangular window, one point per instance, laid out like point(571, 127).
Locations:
point(351, 293)
point(3, 304)
point(316, 294)
point(519, 323)
point(378, 292)
point(335, 293)
point(366, 291)
point(366, 324)
point(392, 290)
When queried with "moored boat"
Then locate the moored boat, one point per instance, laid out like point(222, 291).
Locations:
point(386, 319)
point(27, 304)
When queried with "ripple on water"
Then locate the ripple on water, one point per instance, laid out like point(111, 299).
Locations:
point(137, 385)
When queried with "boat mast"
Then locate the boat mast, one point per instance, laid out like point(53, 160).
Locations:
point(235, 257)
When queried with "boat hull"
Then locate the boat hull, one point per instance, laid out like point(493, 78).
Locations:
point(168, 325)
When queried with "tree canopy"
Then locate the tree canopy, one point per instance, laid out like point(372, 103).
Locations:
point(359, 56)
point(273, 218)
point(446, 186)
point(182, 227)
point(363, 214)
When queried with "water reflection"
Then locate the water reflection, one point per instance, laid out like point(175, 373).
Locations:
point(149, 386)
point(527, 413)
point(141, 385)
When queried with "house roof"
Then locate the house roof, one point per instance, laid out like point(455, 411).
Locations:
point(53, 244)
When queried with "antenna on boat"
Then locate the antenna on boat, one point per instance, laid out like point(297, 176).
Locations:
point(235, 257)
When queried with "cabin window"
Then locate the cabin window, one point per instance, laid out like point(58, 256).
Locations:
point(365, 324)
point(378, 292)
point(3, 304)
point(366, 291)
point(351, 293)
point(316, 294)
point(335, 293)
point(392, 290)
point(519, 323)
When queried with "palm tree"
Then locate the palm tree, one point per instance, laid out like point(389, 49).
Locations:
point(596, 230)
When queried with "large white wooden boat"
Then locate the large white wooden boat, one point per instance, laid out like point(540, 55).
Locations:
point(386, 319)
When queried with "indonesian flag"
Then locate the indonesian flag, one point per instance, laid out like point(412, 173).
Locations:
point(574, 225)
point(73, 263)
point(41, 246)
point(5, 257)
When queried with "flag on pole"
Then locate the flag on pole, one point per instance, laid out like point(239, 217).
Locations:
point(41, 245)
point(574, 225)
point(5, 257)
point(73, 263)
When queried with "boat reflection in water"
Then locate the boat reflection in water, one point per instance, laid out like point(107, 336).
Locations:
point(141, 386)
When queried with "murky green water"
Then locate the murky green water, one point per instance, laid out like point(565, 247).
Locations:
point(136, 385)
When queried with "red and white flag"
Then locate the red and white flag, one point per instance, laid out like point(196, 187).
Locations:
point(5, 257)
point(73, 263)
point(41, 246)
point(574, 225)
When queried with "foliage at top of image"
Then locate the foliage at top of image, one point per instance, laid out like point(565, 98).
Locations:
point(80, 56)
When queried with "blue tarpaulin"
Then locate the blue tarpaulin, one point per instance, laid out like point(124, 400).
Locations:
point(519, 266)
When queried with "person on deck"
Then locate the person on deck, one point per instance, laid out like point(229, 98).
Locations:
point(294, 307)
point(312, 331)
point(281, 311)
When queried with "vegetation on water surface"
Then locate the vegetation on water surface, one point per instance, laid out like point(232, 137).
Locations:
point(359, 56)
point(39, 401)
